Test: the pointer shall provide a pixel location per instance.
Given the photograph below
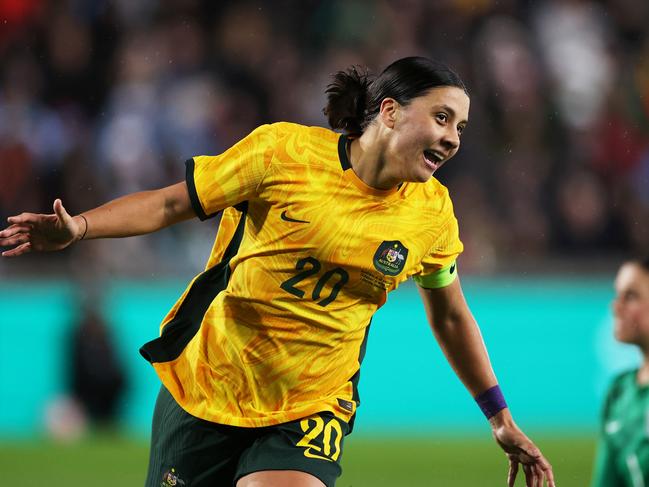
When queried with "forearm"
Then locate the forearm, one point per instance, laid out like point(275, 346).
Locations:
point(461, 341)
point(459, 337)
point(463, 346)
point(136, 214)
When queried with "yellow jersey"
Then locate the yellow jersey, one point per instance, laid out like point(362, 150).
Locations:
point(275, 327)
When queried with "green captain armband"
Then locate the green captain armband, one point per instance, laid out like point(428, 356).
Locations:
point(440, 278)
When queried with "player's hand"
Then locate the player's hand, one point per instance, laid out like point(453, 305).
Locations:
point(521, 451)
point(33, 231)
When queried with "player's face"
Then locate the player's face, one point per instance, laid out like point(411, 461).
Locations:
point(427, 132)
point(631, 305)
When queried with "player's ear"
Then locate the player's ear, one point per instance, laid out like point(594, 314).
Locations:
point(388, 111)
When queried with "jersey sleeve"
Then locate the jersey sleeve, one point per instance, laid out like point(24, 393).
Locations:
point(605, 470)
point(438, 267)
point(217, 182)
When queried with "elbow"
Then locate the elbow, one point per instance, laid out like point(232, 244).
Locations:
point(176, 204)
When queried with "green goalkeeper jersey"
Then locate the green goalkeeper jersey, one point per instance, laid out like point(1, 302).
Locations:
point(623, 451)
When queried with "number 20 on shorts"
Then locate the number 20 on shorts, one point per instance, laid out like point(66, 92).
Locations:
point(332, 436)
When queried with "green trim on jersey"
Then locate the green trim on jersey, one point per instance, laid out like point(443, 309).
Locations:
point(357, 376)
point(191, 189)
point(185, 324)
point(441, 278)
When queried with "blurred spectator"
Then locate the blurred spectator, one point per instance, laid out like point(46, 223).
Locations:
point(574, 36)
point(585, 213)
point(97, 377)
point(104, 98)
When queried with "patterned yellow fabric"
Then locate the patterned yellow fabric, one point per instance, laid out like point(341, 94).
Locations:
point(319, 252)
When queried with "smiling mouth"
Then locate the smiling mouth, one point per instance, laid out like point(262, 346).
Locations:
point(433, 159)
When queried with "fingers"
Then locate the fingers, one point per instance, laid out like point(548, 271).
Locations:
point(550, 476)
point(529, 476)
point(65, 220)
point(60, 210)
point(14, 235)
point(62, 214)
point(20, 250)
point(513, 471)
point(539, 476)
point(32, 218)
point(25, 218)
point(14, 240)
point(521, 451)
point(532, 475)
point(28, 232)
point(547, 471)
point(543, 470)
point(13, 230)
point(537, 472)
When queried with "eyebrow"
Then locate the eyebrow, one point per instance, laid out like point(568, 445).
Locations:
point(452, 112)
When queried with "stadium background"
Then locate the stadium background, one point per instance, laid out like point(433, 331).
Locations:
point(551, 188)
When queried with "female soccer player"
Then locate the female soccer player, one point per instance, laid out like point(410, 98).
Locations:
point(260, 357)
point(623, 450)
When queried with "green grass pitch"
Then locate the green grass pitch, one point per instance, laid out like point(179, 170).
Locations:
point(367, 462)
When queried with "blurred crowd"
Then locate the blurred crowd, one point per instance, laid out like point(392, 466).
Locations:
point(106, 97)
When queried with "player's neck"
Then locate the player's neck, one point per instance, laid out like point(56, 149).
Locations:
point(643, 373)
point(365, 156)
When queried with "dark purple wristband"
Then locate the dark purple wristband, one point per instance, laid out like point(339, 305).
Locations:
point(491, 401)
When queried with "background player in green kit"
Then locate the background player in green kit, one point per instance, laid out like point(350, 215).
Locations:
point(623, 452)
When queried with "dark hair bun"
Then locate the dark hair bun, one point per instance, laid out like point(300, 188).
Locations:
point(354, 101)
point(347, 100)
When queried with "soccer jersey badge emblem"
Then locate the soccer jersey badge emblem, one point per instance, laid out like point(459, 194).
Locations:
point(170, 479)
point(390, 257)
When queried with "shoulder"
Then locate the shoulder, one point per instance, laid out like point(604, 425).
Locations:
point(621, 383)
point(624, 379)
point(432, 196)
point(301, 144)
point(288, 129)
point(618, 389)
point(434, 188)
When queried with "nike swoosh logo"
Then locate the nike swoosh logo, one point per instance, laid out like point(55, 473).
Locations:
point(287, 218)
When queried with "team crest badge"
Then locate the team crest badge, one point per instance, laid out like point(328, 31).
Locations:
point(390, 257)
point(171, 479)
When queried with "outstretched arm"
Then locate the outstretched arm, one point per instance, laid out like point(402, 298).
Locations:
point(459, 337)
point(134, 214)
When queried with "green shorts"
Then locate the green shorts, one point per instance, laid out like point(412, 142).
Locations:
point(190, 452)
